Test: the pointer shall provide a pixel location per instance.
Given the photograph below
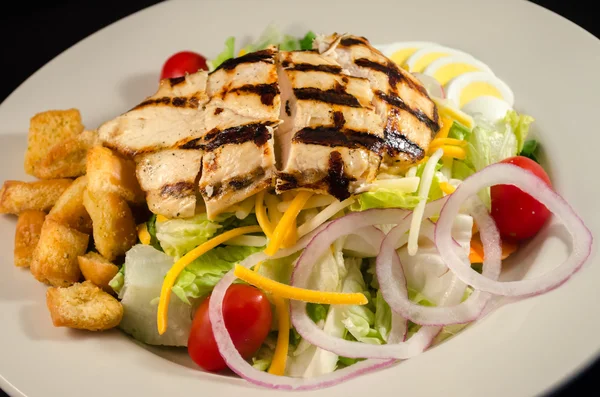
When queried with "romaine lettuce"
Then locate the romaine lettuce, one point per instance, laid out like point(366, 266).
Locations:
point(179, 236)
point(224, 55)
point(200, 276)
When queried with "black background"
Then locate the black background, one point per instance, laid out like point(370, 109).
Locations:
point(31, 35)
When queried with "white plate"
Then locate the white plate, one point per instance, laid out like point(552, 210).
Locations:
point(520, 350)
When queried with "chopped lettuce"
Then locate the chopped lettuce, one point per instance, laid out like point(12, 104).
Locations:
point(519, 124)
point(435, 191)
point(224, 55)
point(530, 150)
point(317, 311)
point(151, 226)
point(459, 131)
point(200, 276)
point(385, 198)
point(461, 170)
point(179, 236)
point(145, 269)
point(117, 282)
point(272, 35)
point(264, 356)
point(307, 40)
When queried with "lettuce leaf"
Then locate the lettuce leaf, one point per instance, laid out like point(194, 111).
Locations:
point(459, 131)
point(519, 124)
point(385, 198)
point(307, 40)
point(224, 55)
point(151, 226)
point(200, 276)
point(179, 236)
point(117, 282)
point(529, 150)
point(460, 170)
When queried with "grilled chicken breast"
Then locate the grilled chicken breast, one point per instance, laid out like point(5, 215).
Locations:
point(169, 118)
point(169, 179)
point(410, 117)
point(241, 115)
point(322, 120)
point(331, 139)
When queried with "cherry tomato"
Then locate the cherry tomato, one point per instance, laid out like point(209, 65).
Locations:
point(519, 216)
point(247, 314)
point(181, 63)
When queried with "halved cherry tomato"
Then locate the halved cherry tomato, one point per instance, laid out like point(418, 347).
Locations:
point(519, 216)
point(247, 313)
point(181, 63)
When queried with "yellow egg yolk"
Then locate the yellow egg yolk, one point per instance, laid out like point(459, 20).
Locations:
point(447, 72)
point(400, 56)
point(425, 60)
point(477, 89)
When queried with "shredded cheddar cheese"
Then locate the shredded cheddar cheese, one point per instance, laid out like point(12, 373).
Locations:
point(283, 336)
point(454, 152)
point(445, 130)
point(261, 214)
point(171, 276)
point(161, 218)
point(306, 295)
point(143, 235)
point(447, 141)
point(447, 188)
point(287, 221)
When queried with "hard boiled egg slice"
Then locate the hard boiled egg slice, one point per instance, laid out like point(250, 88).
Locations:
point(422, 58)
point(400, 52)
point(447, 68)
point(466, 87)
point(489, 107)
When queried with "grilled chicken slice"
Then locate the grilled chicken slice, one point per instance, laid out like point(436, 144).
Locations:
point(169, 179)
point(241, 115)
point(331, 139)
point(410, 117)
point(169, 118)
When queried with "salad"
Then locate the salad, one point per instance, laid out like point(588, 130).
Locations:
point(294, 252)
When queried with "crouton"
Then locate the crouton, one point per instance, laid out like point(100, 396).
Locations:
point(97, 269)
point(17, 196)
point(83, 306)
point(69, 209)
point(109, 172)
point(55, 257)
point(47, 129)
point(67, 159)
point(27, 235)
point(114, 228)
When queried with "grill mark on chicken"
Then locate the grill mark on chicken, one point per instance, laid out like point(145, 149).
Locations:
point(333, 137)
point(178, 102)
point(396, 142)
point(253, 57)
point(235, 183)
point(338, 120)
point(395, 100)
point(350, 41)
point(178, 190)
point(333, 96)
point(392, 72)
point(257, 132)
point(287, 109)
point(176, 80)
point(307, 67)
point(337, 182)
point(218, 111)
point(267, 92)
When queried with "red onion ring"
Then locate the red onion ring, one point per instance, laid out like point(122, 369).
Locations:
point(392, 281)
point(510, 174)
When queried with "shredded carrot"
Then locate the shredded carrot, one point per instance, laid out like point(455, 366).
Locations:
point(288, 219)
point(306, 295)
point(283, 336)
point(476, 255)
point(171, 276)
